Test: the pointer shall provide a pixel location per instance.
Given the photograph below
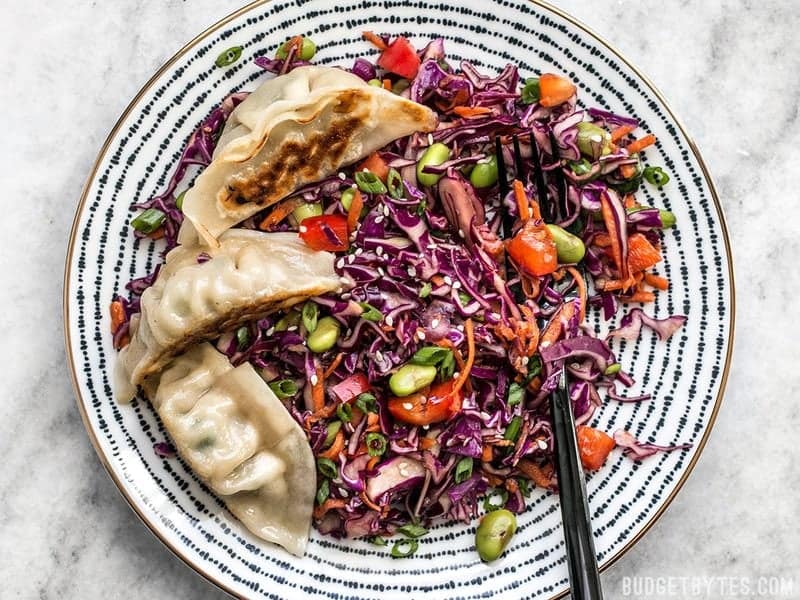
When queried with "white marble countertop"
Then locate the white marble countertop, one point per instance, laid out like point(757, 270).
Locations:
point(730, 70)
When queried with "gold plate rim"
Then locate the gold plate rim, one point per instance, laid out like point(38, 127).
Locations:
point(221, 23)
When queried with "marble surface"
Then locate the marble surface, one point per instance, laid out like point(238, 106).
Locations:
point(730, 69)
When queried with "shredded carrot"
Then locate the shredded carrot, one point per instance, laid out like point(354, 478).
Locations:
point(522, 201)
point(627, 171)
point(373, 423)
point(629, 201)
point(337, 446)
point(640, 297)
point(279, 212)
point(576, 275)
point(374, 39)
point(318, 391)
point(117, 315)
point(468, 112)
point(611, 226)
point(375, 165)
point(372, 462)
point(640, 144)
point(556, 325)
point(354, 213)
point(494, 481)
point(658, 282)
point(437, 280)
point(621, 131)
point(534, 472)
point(463, 375)
point(334, 365)
point(157, 234)
point(356, 415)
point(487, 454)
point(511, 485)
point(369, 502)
point(426, 443)
point(602, 240)
point(329, 504)
point(387, 84)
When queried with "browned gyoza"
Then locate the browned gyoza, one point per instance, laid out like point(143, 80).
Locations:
point(294, 130)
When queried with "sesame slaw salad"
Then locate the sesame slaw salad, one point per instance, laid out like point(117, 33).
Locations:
point(422, 389)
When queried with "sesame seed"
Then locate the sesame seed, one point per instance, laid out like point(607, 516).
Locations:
point(525, 360)
point(485, 416)
point(379, 356)
point(542, 444)
point(461, 234)
point(340, 263)
point(430, 139)
point(456, 285)
point(270, 331)
point(303, 229)
point(544, 344)
point(381, 272)
point(460, 327)
point(412, 272)
point(456, 374)
point(496, 316)
point(385, 211)
point(359, 251)
point(378, 219)
point(379, 250)
point(421, 334)
point(351, 258)
point(292, 328)
point(346, 296)
point(434, 323)
point(448, 280)
point(389, 321)
point(342, 176)
point(314, 379)
point(408, 405)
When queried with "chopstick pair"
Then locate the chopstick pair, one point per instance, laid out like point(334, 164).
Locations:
point(581, 558)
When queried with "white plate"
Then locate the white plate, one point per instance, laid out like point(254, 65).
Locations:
point(686, 374)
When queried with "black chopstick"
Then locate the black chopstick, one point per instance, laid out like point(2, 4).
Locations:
point(584, 576)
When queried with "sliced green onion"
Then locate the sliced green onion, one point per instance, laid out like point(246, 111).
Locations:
point(179, 200)
point(333, 429)
point(447, 367)
point(367, 403)
point(328, 468)
point(513, 429)
point(534, 368)
point(324, 491)
point(524, 487)
point(285, 388)
point(400, 86)
point(656, 176)
point(425, 291)
point(149, 220)
point(376, 444)
point(377, 540)
point(464, 298)
point(495, 500)
point(344, 412)
point(306, 210)
point(516, 393)
point(375, 83)
point(613, 369)
point(242, 337)
point(370, 312)
point(404, 548)
point(430, 355)
point(230, 56)
point(580, 167)
point(395, 184)
point(310, 315)
point(412, 530)
point(347, 198)
point(290, 319)
point(463, 470)
point(530, 93)
point(369, 183)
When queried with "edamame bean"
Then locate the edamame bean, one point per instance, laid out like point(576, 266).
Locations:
point(667, 218)
point(494, 533)
point(347, 198)
point(324, 337)
point(290, 319)
point(570, 248)
point(307, 50)
point(375, 83)
point(484, 175)
point(593, 141)
point(411, 378)
point(305, 210)
point(432, 157)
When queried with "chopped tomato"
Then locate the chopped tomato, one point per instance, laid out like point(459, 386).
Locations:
point(594, 446)
point(117, 315)
point(375, 165)
point(554, 90)
point(433, 405)
point(350, 388)
point(641, 253)
point(326, 232)
point(400, 58)
point(533, 250)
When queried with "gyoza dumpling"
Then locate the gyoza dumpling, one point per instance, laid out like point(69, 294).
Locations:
point(239, 439)
point(201, 292)
point(293, 130)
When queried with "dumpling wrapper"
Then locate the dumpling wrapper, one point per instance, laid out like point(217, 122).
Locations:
point(250, 274)
point(241, 441)
point(294, 130)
